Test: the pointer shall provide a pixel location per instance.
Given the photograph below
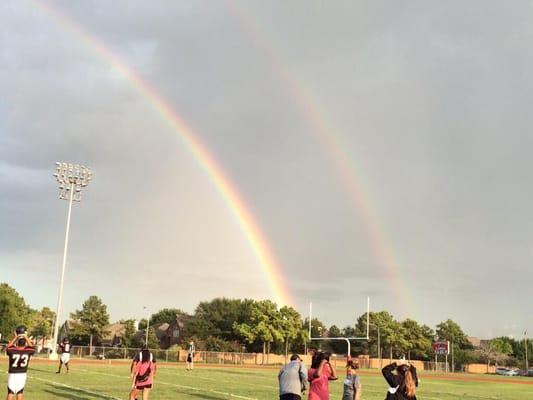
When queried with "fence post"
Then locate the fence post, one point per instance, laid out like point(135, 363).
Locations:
point(166, 355)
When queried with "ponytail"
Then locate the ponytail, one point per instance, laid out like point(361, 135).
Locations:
point(409, 384)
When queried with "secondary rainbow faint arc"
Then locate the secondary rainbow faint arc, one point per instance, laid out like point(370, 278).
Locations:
point(246, 221)
point(344, 164)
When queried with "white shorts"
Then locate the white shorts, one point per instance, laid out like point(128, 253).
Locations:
point(65, 358)
point(16, 382)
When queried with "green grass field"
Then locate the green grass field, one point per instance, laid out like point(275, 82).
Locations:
point(91, 382)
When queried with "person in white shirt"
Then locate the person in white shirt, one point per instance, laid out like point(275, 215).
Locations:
point(191, 349)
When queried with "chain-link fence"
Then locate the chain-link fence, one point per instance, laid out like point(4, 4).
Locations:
point(171, 355)
point(233, 358)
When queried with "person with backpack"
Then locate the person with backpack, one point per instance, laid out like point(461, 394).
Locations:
point(292, 379)
point(402, 381)
point(144, 371)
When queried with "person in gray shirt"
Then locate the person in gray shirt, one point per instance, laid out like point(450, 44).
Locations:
point(352, 385)
point(292, 379)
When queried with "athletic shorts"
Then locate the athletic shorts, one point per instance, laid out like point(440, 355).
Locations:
point(289, 396)
point(65, 358)
point(189, 358)
point(16, 382)
point(141, 387)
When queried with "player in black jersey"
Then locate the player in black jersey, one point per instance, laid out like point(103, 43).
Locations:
point(19, 351)
point(64, 349)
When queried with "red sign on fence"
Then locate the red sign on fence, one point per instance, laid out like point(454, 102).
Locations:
point(441, 347)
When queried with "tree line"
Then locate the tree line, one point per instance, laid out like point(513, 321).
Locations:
point(260, 326)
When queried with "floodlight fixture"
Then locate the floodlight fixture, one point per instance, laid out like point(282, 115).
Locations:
point(72, 178)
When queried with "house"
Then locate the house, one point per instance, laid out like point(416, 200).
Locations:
point(475, 342)
point(113, 334)
point(173, 333)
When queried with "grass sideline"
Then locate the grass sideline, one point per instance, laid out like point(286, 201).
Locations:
point(97, 381)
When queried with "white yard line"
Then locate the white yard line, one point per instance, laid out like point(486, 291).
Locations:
point(75, 388)
point(215, 380)
point(197, 389)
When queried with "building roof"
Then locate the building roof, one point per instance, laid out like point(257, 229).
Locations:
point(114, 330)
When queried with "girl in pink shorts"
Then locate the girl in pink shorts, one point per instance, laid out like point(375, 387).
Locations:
point(143, 375)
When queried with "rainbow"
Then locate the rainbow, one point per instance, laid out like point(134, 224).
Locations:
point(249, 227)
point(343, 163)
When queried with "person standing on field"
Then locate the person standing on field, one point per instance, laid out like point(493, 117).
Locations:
point(19, 352)
point(143, 375)
point(320, 373)
point(64, 349)
point(352, 388)
point(402, 381)
point(191, 349)
point(292, 379)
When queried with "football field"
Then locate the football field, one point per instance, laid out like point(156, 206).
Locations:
point(99, 381)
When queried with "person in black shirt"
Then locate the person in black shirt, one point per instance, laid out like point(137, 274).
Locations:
point(139, 357)
point(402, 380)
point(19, 351)
point(64, 348)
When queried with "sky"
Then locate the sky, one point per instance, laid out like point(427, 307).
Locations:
point(422, 108)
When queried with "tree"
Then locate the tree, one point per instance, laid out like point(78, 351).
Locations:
point(318, 329)
point(41, 324)
point(218, 316)
point(382, 322)
point(337, 346)
point(153, 341)
point(497, 350)
point(166, 315)
point(264, 325)
point(396, 339)
point(13, 311)
point(452, 332)
point(419, 339)
point(91, 319)
point(130, 339)
point(291, 325)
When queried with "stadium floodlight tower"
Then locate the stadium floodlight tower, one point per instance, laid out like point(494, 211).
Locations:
point(72, 179)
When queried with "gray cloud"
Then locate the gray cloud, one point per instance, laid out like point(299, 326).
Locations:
point(430, 100)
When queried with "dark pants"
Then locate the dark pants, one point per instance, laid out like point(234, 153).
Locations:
point(289, 396)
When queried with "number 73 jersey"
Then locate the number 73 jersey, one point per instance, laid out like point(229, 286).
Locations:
point(19, 359)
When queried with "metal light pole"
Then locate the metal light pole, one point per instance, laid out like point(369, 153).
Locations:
point(147, 325)
point(379, 348)
point(72, 178)
point(525, 346)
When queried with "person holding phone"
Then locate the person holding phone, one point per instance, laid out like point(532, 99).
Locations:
point(319, 375)
point(19, 351)
point(402, 380)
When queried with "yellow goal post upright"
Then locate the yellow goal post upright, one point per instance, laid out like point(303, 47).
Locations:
point(346, 339)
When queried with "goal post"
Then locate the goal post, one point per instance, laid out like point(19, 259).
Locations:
point(346, 339)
